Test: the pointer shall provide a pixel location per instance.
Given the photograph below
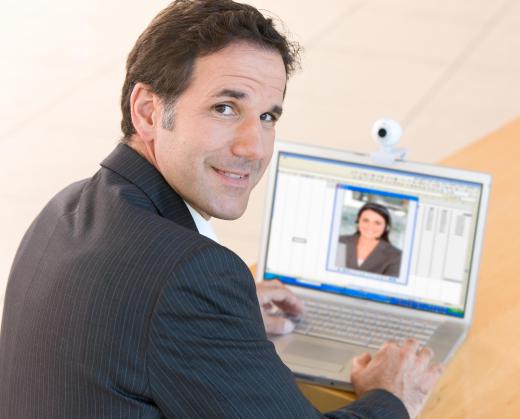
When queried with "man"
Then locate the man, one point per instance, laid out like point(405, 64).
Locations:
point(117, 307)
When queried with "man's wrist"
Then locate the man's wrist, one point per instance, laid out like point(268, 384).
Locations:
point(389, 402)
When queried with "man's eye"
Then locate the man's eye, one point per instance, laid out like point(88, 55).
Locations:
point(224, 109)
point(268, 117)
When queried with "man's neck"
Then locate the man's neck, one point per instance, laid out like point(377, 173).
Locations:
point(144, 149)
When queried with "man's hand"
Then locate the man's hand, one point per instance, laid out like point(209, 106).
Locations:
point(273, 294)
point(404, 371)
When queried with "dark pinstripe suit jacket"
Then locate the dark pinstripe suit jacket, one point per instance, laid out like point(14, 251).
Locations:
point(117, 308)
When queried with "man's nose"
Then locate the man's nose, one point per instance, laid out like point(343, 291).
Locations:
point(248, 142)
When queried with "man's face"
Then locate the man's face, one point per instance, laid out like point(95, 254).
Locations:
point(224, 128)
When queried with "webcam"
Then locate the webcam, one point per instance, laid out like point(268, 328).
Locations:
point(387, 133)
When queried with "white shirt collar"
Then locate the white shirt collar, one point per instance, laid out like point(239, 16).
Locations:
point(203, 225)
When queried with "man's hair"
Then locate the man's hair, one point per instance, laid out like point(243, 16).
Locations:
point(164, 55)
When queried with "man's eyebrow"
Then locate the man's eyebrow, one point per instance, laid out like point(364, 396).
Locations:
point(235, 94)
point(277, 110)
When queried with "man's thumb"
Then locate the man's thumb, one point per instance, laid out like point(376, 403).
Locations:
point(361, 361)
point(276, 325)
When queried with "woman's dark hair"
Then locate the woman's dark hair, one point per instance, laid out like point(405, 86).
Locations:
point(164, 55)
point(383, 212)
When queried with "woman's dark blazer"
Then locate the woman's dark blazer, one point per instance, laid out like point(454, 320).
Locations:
point(385, 259)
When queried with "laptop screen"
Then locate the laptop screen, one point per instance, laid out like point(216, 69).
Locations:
point(374, 233)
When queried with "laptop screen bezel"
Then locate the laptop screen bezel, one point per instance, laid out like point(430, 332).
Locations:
point(347, 157)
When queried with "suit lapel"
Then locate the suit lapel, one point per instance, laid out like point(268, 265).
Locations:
point(352, 260)
point(373, 260)
point(129, 164)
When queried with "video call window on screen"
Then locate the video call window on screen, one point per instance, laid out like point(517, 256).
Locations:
point(382, 219)
point(315, 228)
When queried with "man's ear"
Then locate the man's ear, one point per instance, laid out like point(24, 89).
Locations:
point(145, 109)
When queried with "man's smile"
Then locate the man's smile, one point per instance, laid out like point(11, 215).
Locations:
point(233, 177)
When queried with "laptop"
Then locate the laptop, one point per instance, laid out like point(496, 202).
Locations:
point(325, 208)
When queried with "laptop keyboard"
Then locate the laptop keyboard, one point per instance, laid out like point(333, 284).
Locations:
point(366, 328)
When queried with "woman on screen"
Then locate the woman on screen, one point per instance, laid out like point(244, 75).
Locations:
point(369, 249)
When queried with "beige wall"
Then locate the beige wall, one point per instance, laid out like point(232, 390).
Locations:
point(448, 70)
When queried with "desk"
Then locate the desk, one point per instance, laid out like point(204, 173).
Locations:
point(483, 378)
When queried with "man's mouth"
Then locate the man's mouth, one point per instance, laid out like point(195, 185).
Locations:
point(234, 176)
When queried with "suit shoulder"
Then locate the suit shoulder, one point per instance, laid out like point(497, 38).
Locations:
point(348, 238)
point(66, 200)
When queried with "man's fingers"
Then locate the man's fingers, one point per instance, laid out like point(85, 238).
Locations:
point(281, 297)
point(390, 343)
point(277, 325)
point(435, 371)
point(411, 345)
point(430, 377)
point(389, 348)
point(275, 293)
point(271, 283)
point(424, 356)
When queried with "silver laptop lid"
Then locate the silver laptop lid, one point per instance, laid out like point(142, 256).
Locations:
point(430, 220)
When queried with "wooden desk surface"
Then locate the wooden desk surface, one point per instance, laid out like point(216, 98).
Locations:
point(483, 378)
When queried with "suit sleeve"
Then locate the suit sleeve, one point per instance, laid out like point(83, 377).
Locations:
point(393, 267)
point(208, 355)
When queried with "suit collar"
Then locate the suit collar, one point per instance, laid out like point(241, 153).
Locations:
point(126, 162)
